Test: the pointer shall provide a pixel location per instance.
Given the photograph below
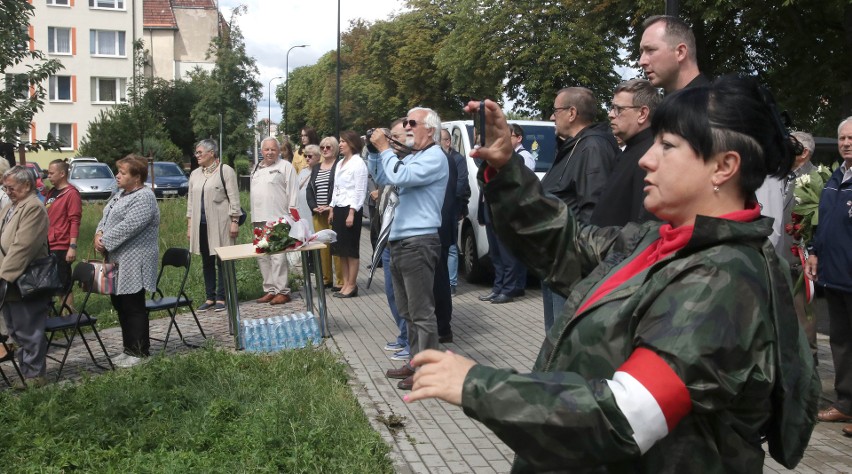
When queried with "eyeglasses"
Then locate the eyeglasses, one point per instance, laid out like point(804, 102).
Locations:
point(557, 109)
point(411, 123)
point(309, 155)
point(618, 109)
point(199, 153)
point(325, 147)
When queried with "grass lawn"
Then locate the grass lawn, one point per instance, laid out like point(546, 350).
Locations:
point(205, 411)
point(172, 234)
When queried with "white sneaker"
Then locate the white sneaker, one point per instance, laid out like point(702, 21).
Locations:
point(118, 358)
point(128, 361)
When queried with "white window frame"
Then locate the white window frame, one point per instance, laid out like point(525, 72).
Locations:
point(59, 3)
point(53, 46)
point(105, 4)
point(9, 81)
point(53, 89)
point(119, 43)
point(54, 130)
point(120, 90)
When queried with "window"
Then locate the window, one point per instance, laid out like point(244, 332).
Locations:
point(108, 90)
point(110, 4)
point(62, 132)
point(106, 43)
point(17, 86)
point(58, 40)
point(64, 3)
point(59, 88)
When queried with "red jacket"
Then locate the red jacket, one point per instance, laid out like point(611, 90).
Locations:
point(64, 211)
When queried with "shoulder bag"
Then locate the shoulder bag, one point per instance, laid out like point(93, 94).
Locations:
point(242, 218)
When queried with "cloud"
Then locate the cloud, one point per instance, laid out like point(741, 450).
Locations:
point(271, 27)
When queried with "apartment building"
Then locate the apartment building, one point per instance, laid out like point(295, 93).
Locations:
point(93, 39)
point(177, 35)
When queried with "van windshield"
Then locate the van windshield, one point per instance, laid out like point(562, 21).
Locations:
point(540, 140)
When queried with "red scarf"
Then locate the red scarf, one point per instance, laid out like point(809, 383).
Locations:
point(671, 240)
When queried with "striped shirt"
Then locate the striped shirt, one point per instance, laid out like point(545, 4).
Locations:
point(323, 193)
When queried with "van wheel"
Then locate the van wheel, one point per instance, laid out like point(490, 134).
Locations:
point(473, 269)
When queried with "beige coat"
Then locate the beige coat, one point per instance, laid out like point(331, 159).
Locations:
point(217, 210)
point(23, 239)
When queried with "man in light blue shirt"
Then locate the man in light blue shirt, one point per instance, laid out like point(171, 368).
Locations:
point(414, 244)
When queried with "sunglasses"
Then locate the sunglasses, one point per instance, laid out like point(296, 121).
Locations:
point(325, 147)
point(411, 123)
point(309, 155)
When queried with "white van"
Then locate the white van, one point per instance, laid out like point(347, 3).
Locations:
point(540, 140)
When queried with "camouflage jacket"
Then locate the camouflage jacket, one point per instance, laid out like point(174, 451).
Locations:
point(718, 312)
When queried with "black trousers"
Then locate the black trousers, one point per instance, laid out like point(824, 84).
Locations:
point(134, 323)
point(840, 338)
point(441, 290)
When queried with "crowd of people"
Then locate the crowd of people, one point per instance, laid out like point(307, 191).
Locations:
point(673, 333)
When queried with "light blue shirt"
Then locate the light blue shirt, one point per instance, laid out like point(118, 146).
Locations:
point(422, 182)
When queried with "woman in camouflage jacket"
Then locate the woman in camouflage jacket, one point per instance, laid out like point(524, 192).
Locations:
point(680, 351)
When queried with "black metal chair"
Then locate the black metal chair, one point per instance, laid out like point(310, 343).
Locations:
point(9, 357)
point(177, 258)
point(71, 323)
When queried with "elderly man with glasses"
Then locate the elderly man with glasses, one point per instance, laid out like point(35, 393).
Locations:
point(585, 157)
point(421, 178)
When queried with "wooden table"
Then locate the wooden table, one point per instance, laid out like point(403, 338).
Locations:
point(230, 254)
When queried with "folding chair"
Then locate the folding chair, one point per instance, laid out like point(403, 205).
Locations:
point(10, 356)
point(72, 323)
point(178, 258)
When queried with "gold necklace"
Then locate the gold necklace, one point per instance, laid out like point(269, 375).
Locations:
point(209, 170)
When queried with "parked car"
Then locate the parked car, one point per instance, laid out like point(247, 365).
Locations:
point(94, 180)
point(540, 140)
point(39, 173)
point(169, 179)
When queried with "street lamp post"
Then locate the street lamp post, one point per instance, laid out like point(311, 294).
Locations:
point(269, 103)
point(287, 82)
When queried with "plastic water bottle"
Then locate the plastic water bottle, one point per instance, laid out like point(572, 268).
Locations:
point(302, 341)
point(316, 334)
point(275, 332)
point(251, 336)
point(287, 329)
point(244, 334)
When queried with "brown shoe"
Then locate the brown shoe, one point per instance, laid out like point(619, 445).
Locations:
point(847, 430)
point(406, 384)
point(833, 415)
point(280, 299)
point(401, 373)
point(265, 298)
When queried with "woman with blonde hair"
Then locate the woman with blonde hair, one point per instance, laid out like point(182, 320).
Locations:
point(319, 191)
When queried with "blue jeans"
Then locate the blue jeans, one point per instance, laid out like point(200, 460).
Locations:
point(553, 303)
point(402, 338)
point(453, 264)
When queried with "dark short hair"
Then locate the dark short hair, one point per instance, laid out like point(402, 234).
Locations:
point(676, 32)
point(644, 93)
point(733, 113)
point(354, 141)
point(516, 129)
point(62, 165)
point(583, 100)
point(136, 166)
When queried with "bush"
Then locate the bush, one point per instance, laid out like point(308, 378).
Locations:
point(162, 150)
point(206, 411)
point(242, 167)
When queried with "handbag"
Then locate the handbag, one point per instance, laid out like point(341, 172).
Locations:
point(242, 218)
point(40, 279)
point(105, 274)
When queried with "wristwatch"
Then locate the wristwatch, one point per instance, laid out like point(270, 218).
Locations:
point(72, 246)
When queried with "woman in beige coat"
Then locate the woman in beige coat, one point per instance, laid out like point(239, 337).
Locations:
point(212, 212)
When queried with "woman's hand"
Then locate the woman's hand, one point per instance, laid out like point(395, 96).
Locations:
point(330, 217)
point(498, 145)
point(374, 194)
point(99, 243)
point(235, 229)
point(441, 375)
point(350, 219)
point(70, 255)
point(811, 267)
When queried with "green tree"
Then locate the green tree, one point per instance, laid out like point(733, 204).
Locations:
point(115, 133)
point(23, 94)
point(231, 93)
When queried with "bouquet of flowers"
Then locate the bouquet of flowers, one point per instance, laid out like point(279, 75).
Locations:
point(288, 232)
point(805, 217)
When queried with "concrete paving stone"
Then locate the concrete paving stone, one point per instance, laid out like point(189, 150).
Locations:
point(492, 454)
point(466, 448)
point(457, 467)
point(433, 461)
point(482, 443)
point(426, 449)
point(418, 468)
point(504, 466)
point(476, 461)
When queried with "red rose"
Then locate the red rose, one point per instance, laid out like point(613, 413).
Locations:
point(796, 217)
point(788, 228)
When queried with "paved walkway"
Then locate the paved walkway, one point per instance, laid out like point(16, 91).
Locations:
point(431, 436)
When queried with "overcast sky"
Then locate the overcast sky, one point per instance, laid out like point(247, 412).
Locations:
point(271, 27)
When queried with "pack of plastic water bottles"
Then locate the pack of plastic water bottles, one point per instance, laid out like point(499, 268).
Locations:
point(280, 332)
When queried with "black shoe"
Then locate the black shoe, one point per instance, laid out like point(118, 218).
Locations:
point(452, 290)
point(446, 339)
point(517, 293)
point(500, 299)
point(488, 297)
